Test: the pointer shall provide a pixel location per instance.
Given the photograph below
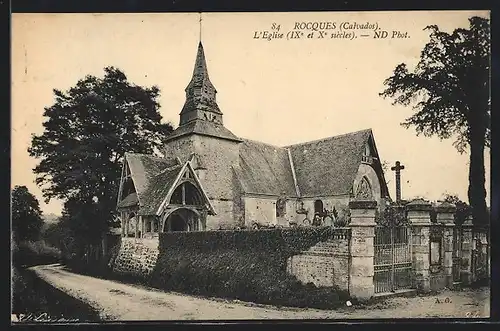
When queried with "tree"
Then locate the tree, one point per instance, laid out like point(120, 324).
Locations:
point(450, 92)
point(87, 132)
point(463, 209)
point(26, 215)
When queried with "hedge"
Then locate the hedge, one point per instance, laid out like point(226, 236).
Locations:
point(244, 265)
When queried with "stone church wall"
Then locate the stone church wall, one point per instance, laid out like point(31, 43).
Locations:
point(224, 218)
point(136, 257)
point(217, 155)
point(181, 148)
point(339, 202)
point(260, 210)
point(238, 203)
point(325, 264)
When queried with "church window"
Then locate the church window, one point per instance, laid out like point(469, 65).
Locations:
point(280, 207)
point(318, 207)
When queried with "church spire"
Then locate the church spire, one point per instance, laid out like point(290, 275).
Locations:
point(200, 94)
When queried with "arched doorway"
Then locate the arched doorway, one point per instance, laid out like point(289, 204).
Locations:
point(177, 223)
point(318, 207)
point(182, 219)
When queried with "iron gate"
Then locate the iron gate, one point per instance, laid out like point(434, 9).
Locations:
point(392, 258)
point(480, 258)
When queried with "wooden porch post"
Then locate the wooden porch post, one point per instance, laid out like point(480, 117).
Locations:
point(136, 226)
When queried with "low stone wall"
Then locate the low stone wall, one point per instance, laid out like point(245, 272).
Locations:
point(136, 256)
point(325, 264)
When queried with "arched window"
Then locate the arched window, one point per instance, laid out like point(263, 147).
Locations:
point(318, 207)
point(280, 207)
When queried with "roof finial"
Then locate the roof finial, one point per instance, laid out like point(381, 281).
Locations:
point(200, 27)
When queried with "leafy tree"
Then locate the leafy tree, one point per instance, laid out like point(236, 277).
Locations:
point(450, 91)
point(463, 209)
point(26, 215)
point(87, 132)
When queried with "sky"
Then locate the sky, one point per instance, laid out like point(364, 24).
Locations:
point(279, 91)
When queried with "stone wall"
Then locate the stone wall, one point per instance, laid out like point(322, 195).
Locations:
point(260, 210)
point(325, 264)
point(224, 218)
point(217, 156)
point(136, 257)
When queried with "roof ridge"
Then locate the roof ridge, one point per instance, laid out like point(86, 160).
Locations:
point(147, 155)
point(328, 138)
point(172, 167)
point(262, 143)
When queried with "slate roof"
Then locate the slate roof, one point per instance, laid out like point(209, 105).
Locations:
point(328, 166)
point(144, 170)
point(158, 189)
point(153, 177)
point(203, 128)
point(200, 81)
point(264, 169)
point(130, 200)
point(200, 72)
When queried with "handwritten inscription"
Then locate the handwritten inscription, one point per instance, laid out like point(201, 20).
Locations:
point(41, 317)
point(473, 314)
point(328, 30)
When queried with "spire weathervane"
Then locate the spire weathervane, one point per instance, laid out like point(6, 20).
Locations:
point(200, 27)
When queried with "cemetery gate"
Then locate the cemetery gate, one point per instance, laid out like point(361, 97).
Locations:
point(480, 252)
point(392, 258)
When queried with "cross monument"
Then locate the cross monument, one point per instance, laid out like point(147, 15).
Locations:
point(397, 168)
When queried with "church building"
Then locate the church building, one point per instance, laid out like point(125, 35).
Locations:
point(211, 179)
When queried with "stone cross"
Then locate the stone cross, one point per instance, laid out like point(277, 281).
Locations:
point(397, 168)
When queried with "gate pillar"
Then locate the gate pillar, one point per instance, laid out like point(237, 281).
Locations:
point(486, 251)
point(361, 269)
point(445, 214)
point(419, 217)
point(467, 250)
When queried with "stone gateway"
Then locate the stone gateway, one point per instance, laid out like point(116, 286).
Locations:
point(211, 179)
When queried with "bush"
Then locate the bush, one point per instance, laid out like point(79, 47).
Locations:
point(28, 253)
point(244, 265)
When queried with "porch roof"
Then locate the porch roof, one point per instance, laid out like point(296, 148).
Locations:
point(129, 201)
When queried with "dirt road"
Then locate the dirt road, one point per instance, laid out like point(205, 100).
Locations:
point(117, 301)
